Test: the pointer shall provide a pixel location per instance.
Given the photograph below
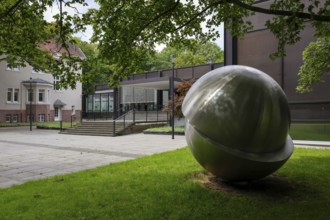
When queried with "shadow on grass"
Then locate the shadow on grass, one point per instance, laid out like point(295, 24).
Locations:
point(271, 187)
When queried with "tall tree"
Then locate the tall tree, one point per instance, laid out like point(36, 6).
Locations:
point(193, 53)
point(315, 68)
point(23, 29)
point(129, 30)
point(94, 69)
point(316, 64)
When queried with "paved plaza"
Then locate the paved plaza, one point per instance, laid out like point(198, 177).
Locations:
point(27, 155)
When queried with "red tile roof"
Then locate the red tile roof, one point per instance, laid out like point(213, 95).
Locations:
point(57, 49)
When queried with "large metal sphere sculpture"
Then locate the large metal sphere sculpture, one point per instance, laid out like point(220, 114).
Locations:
point(237, 123)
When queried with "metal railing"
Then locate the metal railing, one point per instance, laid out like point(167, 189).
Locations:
point(188, 72)
point(124, 120)
point(135, 116)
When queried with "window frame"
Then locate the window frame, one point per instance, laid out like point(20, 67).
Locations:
point(8, 116)
point(15, 92)
point(12, 94)
point(9, 94)
point(14, 118)
point(56, 111)
point(43, 95)
point(28, 95)
point(57, 80)
point(41, 117)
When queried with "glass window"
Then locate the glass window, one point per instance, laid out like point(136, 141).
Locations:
point(41, 117)
point(30, 95)
point(104, 102)
point(9, 94)
point(15, 119)
point(151, 95)
point(111, 102)
point(41, 95)
point(57, 80)
point(8, 118)
point(12, 95)
point(90, 103)
point(97, 103)
point(16, 95)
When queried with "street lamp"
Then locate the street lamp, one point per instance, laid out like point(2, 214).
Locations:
point(30, 97)
point(172, 94)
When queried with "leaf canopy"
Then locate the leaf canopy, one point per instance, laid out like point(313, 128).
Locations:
point(128, 31)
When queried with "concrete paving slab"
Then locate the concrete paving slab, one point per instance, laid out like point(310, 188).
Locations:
point(28, 155)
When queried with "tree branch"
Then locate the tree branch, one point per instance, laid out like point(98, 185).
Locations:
point(302, 15)
point(158, 17)
point(241, 4)
point(62, 34)
point(11, 9)
point(199, 14)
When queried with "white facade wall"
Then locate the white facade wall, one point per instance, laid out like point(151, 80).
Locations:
point(13, 79)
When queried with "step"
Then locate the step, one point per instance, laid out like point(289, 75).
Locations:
point(96, 129)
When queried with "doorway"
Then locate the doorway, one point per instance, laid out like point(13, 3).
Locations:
point(57, 114)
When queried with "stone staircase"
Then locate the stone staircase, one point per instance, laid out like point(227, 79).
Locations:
point(119, 126)
point(98, 128)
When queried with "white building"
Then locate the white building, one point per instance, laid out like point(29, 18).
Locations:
point(24, 91)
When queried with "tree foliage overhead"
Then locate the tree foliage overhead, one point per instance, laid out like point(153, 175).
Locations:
point(316, 64)
point(196, 53)
point(128, 31)
point(94, 69)
point(23, 29)
point(131, 29)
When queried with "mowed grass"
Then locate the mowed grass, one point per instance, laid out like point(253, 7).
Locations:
point(171, 186)
point(16, 124)
point(45, 125)
point(298, 131)
point(310, 131)
point(166, 129)
point(56, 124)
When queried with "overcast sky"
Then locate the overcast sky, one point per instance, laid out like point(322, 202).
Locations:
point(85, 36)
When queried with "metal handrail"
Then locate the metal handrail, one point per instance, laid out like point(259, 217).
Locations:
point(133, 112)
point(122, 117)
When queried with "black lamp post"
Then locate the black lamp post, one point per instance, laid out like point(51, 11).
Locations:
point(172, 95)
point(30, 97)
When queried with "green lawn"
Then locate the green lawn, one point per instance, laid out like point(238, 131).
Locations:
point(56, 124)
point(16, 124)
point(298, 131)
point(166, 129)
point(310, 131)
point(172, 185)
point(46, 125)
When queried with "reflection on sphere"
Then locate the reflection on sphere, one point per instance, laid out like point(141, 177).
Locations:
point(238, 121)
